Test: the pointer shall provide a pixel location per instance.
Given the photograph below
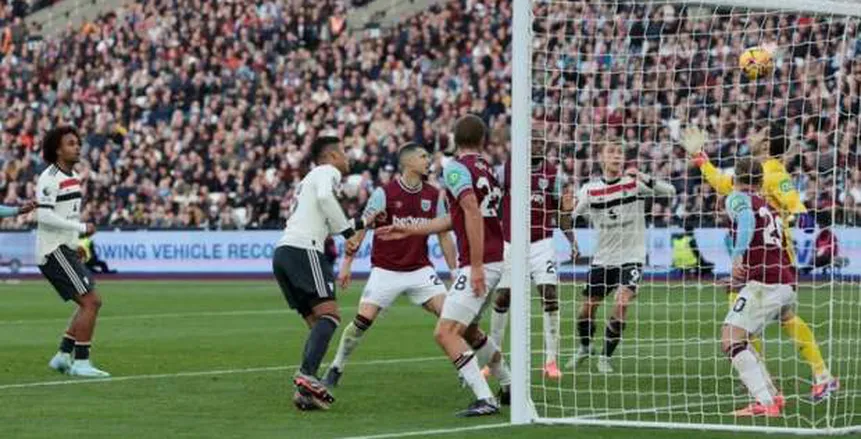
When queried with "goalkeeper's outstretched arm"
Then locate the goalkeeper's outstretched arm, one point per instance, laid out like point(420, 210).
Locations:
point(693, 140)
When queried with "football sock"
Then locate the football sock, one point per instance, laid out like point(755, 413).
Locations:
point(484, 350)
point(551, 335)
point(612, 336)
point(318, 343)
point(67, 344)
point(800, 333)
point(498, 321)
point(82, 351)
point(752, 373)
point(468, 369)
point(586, 330)
point(350, 338)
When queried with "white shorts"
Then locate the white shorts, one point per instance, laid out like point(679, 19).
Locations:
point(385, 286)
point(542, 264)
point(758, 305)
point(461, 304)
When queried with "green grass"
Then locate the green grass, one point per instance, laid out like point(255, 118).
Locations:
point(397, 381)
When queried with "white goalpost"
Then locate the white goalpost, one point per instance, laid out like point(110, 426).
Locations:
point(636, 73)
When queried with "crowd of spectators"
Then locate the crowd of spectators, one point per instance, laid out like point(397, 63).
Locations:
point(200, 113)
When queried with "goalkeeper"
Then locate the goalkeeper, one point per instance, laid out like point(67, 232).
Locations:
point(768, 146)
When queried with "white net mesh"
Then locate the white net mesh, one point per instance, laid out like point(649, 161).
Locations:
point(637, 74)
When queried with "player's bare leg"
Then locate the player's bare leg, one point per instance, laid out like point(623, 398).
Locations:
point(752, 372)
point(824, 384)
point(323, 321)
point(82, 326)
point(615, 327)
point(489, 355)
point(585, 330)
point(550, 301)
point(449, 334)
point(62, 360)
point(350, 338)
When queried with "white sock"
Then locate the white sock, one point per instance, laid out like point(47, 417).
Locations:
point(551, 335)
point(824, 377)
point(500, 371)
point(471, 373)
point(350, 338)
point(484, 354)
point(498, 321)
point(754, 376)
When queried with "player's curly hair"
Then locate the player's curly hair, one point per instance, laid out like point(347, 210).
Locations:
point(53, 139)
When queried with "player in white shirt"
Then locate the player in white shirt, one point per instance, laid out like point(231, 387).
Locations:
point(304, 275)
point(58, 216)
point(615, 206)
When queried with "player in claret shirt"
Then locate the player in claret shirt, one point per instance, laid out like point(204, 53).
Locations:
point(399, 267)
point(764, 266)
point(474, 197)
point(545, 200)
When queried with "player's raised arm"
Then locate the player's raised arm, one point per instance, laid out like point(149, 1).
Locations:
point(328, 200)
point(47, 189)
point(653, 186)
point(693, 140)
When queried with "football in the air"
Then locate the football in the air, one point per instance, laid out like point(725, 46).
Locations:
point(756, 62)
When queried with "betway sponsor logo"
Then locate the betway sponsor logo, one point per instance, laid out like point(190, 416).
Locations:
point(409, 221)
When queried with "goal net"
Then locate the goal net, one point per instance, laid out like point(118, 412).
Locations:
point(636, 74)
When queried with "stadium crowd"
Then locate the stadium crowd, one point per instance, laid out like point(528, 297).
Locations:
point(200, 113)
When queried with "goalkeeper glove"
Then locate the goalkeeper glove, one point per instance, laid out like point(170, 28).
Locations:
point(693, 139)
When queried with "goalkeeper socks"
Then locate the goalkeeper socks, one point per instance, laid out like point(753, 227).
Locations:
point(586, 330)
point(350, 338)
point(752, 373)
point(467, 367)
point(67, 344)
point(612, 336)
point(804, 340)
point(82, 351)
point(551, 335)
point(498, 321)
point(318, 343)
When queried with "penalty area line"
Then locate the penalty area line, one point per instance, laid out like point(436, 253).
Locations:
point(204, 373)
point(431, 432)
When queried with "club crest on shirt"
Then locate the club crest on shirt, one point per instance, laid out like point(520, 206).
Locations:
point(426, 205)
point(543, 183)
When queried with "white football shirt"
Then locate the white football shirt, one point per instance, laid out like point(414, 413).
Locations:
point(58, 212)
point(617, 209)
point(315, 212)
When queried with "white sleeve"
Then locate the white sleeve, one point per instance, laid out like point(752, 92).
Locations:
point(326, 183)
point(582, 201)
point(46, 190)
point(48, 217)
point(653, 186)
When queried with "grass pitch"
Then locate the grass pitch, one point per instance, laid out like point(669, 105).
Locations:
point(214, 360)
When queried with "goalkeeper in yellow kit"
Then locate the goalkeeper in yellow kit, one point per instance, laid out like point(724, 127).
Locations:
point(768, 146)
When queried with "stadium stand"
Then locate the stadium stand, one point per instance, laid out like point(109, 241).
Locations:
point(200, 113)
